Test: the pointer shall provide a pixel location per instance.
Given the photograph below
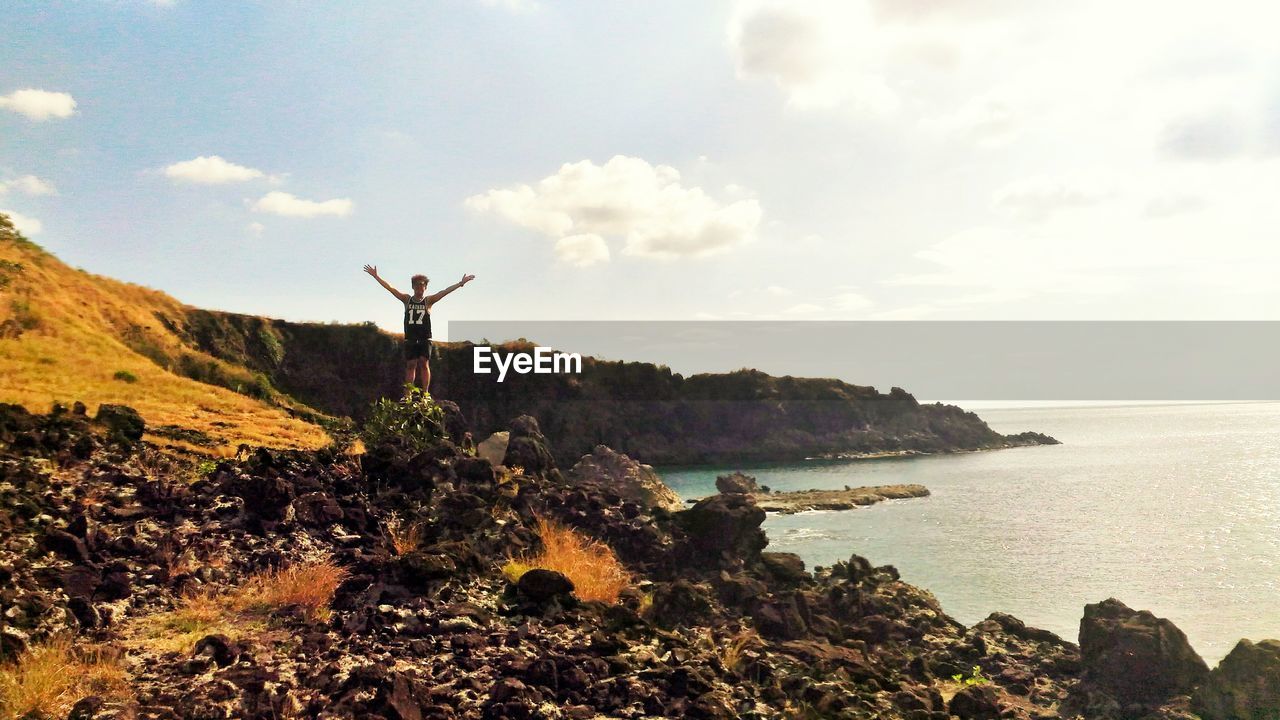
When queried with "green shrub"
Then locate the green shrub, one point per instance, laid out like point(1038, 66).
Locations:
point(25, 317)
point(125, 376)
point(976, 679)
point(414, 421)
point(271, 343)
point(8, 270)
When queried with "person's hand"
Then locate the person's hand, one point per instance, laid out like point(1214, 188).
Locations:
point(371, 270)
point(466, 279)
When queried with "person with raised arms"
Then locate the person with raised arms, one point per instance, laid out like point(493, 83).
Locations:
point(417, 324)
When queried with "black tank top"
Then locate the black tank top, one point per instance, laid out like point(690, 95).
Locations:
point(417, 320)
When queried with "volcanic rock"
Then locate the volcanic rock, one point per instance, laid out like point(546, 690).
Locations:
point(1244, 686)
point(1136, 657)
point(626, 477)
point(723, 531)
point(737, 482)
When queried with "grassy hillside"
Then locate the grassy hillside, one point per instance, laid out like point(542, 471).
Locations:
point(68, 335)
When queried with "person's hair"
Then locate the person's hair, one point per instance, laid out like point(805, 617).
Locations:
point(418, 277)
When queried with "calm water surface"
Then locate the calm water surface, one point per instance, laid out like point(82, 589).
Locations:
point(1170, 508)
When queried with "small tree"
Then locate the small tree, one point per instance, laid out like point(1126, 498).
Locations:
point(414, 421)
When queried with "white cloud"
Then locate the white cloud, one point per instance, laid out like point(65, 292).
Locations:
point(1206, 137)
point(288, 205)
point(29, 184)
point(39, 104)
point(821, 53)
point(645, 205)
point(1039, 197)
point(778, 291)
point(582, 250)
point(211, 170)
point(26, 224)
point(255, 229)
point(986, 120)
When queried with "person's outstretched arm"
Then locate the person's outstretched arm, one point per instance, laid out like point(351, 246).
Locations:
point(433, 299)
point(374, 272)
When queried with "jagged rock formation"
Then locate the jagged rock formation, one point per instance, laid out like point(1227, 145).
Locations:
point(97, 536)
point(633, 481)
point(1135, 663)
point(1244, 686)
point(737, 482)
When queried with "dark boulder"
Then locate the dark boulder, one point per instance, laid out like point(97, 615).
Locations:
point(1244, 686)
point(527, 448)
point(737, 483)
point(455, 423)
point(1136, 657)
point(785, 567)
point(976, 702)
point(723, 531)
point(123, 423)
point(679, 603)
point(540, 584)
point(219, 649)
point(67, 545)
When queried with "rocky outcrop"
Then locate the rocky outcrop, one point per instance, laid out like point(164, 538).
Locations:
point(1244, 686)
point(1134, 662)
point(737, 482)
point(722, 531)
point(494, 447)
point(633, 481)
point(791, 502)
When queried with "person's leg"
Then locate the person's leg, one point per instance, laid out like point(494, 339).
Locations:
point(424, 373)
point(410, 368)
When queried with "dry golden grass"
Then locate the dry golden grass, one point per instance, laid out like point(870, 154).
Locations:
point(733, 654)
point(242, 612)
point(76, 344)
point(48, 679)
point(195, 617)
point(405, 537)
point(594, 570)
point(309, 586)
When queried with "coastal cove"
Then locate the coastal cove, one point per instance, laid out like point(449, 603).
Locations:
point(1169, 508)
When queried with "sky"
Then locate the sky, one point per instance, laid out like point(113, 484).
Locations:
point(656, 160)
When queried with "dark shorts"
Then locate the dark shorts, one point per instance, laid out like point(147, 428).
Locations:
point(415, 348)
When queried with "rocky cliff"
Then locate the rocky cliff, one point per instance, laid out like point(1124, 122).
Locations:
point(644, 410)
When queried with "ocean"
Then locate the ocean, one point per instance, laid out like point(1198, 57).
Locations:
point(1169, 508)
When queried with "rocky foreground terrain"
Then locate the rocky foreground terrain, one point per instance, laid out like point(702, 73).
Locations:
point(100, 536)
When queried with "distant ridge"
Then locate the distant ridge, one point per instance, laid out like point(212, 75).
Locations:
point(208, 380)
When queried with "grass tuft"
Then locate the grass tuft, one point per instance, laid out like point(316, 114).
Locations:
point(242, 612)
point(308, 585)
point(594, 570)
point(46, 680)
point(405, 537)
